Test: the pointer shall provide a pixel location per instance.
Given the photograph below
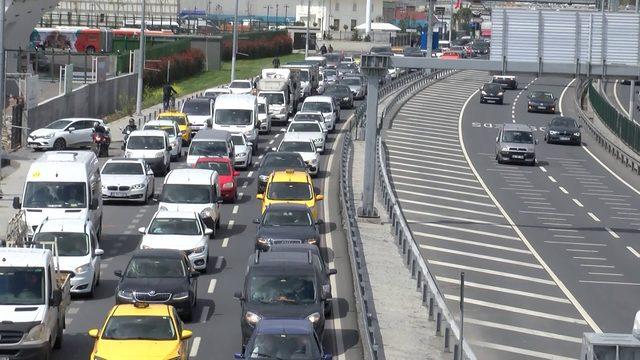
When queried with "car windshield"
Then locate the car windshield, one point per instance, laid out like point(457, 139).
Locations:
point(170, 130)
point(332, 57)
point(338, 90)
point(233, 117)
point(323, 107)
point(351, 81)
point(521, 137)
point(564, 122)
point(274, 98)
point(69, 243)
point(149, 267)
point(304, 127)
point(219, 167)
point(284, 347)
point(60, 124)
point(273, 160)
point(180, 120)
point(174, 227)
point(287, 217)
point(237, 140)
point(491, 87)
point(296, 146)
point(304, 76)
point(284, 289)
point(539, 95)
point(139, 328)
point(186, 194)
point(55, 195)
point(208, 148)
point(240, 85)
point(289, 191)
point(123, 168)
point(330, 72)
point(308, 117)
point(21, 285)
point(262, 108)
point(145, 143)
point(198, 108)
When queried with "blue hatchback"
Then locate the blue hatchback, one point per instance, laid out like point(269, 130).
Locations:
point(284, 339)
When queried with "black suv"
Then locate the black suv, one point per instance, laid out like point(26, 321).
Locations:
point(278, 161)
point(159, 276)
point(282, 285)
point(284, 223)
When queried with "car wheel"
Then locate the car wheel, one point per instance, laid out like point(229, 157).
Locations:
point(59, 144)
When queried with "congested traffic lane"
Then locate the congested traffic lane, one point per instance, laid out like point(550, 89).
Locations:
point(580, 218)
point(216, 322)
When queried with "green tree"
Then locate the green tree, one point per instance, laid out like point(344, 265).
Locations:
point(462, 17)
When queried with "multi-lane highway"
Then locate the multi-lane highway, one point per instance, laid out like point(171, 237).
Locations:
point(549, 251)
point(216, 322)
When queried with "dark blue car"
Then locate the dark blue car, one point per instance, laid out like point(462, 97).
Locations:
point(284, 339)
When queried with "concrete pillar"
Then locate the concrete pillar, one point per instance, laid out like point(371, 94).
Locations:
point(369, 180)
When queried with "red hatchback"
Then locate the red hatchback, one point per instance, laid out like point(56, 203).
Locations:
point(226, 175)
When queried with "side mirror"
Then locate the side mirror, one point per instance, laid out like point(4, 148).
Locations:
point(318, 150)
point(332, 272)
point(236, 173)
point(93, 333)
point(186, 334)
point(98, 252)
point(238, 295)
point(180, 133)
point(256, 221)
point(249, 144)
point(274, 149)
point(194, 274)
point(319, 222)
point(170, 148)
point(16, 203)
point(150, 172)
point(142, 230)
point(319, 197)
point(118, 273)
point(71, 129)
point(260, 196)
point(208, 231)
point(94, 204)
point(497, 139)
point(56, 297)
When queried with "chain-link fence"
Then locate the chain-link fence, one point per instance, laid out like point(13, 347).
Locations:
point(625, 129)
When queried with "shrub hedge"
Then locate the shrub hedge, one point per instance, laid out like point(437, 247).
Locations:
point(183, 65)
point(258, 45)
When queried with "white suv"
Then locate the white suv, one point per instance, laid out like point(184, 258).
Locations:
point(326, 106)
point(64, 133)
point(153, 146)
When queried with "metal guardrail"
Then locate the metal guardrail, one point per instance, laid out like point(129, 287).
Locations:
point(582, 92)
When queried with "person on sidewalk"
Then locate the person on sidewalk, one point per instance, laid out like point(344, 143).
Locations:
point(276, 62)
point(323, 49)
point(167, 92)
point(330, 48)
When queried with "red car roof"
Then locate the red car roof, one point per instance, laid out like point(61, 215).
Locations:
point(217, 159)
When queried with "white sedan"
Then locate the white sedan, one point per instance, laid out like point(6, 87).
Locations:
point(173, 131)
point(127, 180)
point(242, 149)
point(293, 142)
point(183, 231)
point(310, 130)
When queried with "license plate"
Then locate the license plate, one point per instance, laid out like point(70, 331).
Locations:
point(115, 194)
point(565, 138)
point(517, 156)
point(541, 107)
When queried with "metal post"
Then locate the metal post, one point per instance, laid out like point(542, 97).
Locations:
point(637, 5)
point(632, 98)
point(276, 21)
point(451, 23)
point(3, 78)
point(235, 43)
point(461, 314)
point(141, 62)
point(367, 20)
point(429, 29)
point(306, 42)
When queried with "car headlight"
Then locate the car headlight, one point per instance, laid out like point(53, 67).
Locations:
point(242, 154)
point(252, 318)
point(345, 99)
point(318, 140)
point(228, 185)
point(181, 295)
point(553, 132)
point(264, 178)
point(137, 186)
point(125, 294)
point(500, 93)
point(263, 241)
point(314, 318)
point(83, 268)
point(198, 250)
point(314, 161)
point(36, 333)
point(283, 110)
point(505, 148)
point(206, 213)
point(312, 241)
point(48, 136)
point(484, 92)
point(576, 133)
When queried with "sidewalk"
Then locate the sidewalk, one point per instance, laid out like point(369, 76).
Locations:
point(403, 321)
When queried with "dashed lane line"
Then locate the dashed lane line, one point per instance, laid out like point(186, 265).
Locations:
point(633, 251)
point(470, 242)
point(194, 347)
point(225, 242)
point(563, 190)
point(503, 290)
point(230, 224)
point(219, 260)
point(552, 179)
point(612, 233)
point(479, 256)
point(519, 351)
point(204, 314)
point(492, 272)
point(577, 202)
point(235, 209)
point(522, 330)
point(212, 286)
point(593, 216)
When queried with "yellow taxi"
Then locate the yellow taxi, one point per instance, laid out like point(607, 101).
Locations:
point(290, 186)
point(183, 123)
point(141, 331)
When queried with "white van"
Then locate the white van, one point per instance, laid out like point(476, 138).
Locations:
point(193, 190)
point(153, 146)
point(237, 113)
point(77, 248)
point(63, 185)
point(173, 131)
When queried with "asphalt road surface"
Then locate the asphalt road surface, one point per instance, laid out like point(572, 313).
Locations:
point(216, 322)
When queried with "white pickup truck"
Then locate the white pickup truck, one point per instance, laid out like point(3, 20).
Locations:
point(34, 297)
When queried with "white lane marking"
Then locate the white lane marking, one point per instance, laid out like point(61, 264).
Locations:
point(563, 190)
point(519, 351)
point(230, 224)
point(204, 314)
point(418, 152)
point(612, 233)
point(478, 256)
point(423, 179)
point(396, 183)
point(552, 179)
point(541, 207)
point(194, 347)
point(250, 174)
point(556, 279)
point(556, 224)
point(577, 202)
point(421, 203)
point(598, 266)
point(422, 173)
point(517, 310)
point(523, 330)
point(131, 227)
point(135, 221)
point(545, 213)
point(235, 209)
point(240, 195)
point(440, 137)
point(225, 242)
point(609, 282)
point(219, 260)
point(104, 266)
point(453, 199)
point(633, 251)
point(441, 129)
point(470, 242)
point(404, 155)
point(605, 274)
point(492, 272)
point(604, 195)
point(532, 190)
point(139, 215)
point(593, 216)
point(271, 142)
point(615, 95)
point(469, 220)
point(397, 164)
point(416, 147)
point(244, 185)
point(504, 290)
point(422, 138)
point(462, 167)
point(461, 229)
point(212, 286)
point(583, 251)
point(590, 258)
point(573, 243)
point(563, 230)
point(537, 203)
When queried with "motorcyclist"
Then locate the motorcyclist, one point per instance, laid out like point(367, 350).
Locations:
point(130, 128)
point(99, 129)
point(167, 92)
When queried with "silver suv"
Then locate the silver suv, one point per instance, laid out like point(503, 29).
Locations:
point(516, 143)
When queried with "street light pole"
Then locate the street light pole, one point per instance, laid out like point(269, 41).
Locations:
point(2, 75)
point(429, 29)
point(368, 18)
point(451, 23)
point(268, 7)
point(277, 15)
point(306, 42)
point(286, 8)
point(235, 43)
point(141, 62)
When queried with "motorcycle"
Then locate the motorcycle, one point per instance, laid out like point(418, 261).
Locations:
point(102, 141)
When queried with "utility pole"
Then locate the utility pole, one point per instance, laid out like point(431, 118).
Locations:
point(277, 15)
point(306, 40)
point(268, 7)
point(235, 43)
point(3, 77)
point(286, 8)
point(141, 62)
point(429, 29)
point(368, 18)
point(451, 23)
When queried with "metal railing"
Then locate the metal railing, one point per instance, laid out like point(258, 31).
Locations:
point(585, 89)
